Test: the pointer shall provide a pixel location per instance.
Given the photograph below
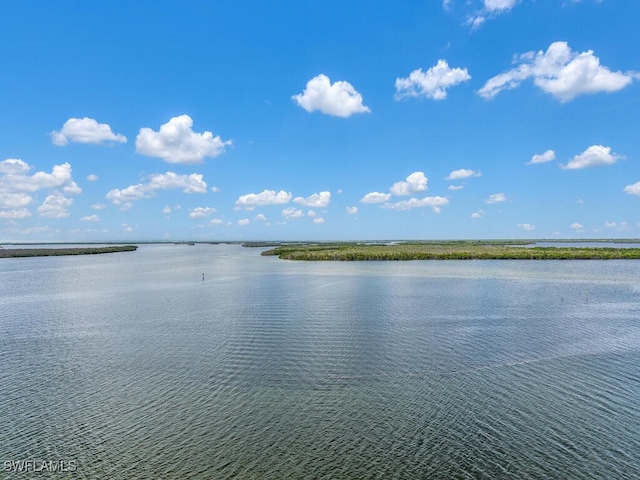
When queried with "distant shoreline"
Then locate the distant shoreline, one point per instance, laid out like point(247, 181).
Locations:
point(54, 252)
point(455, 250)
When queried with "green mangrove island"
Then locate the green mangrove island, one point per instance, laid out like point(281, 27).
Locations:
point(450, 250)
point(50, 252)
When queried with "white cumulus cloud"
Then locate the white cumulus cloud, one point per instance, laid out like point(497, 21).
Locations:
point(15, 214)
point(318, 221)
point(192, 183)
point(633, 189)
point(339, 99)
point(455, 187)
point(158, 181)
point(478, 214)
point(243, 222)
point(90, 218)
point(527, 227)
point(414, 183)
point(55, 206)
point(375, 197)
point(14, 200)
point(463, 173)
point(547, 156)
point(14, 166)
point(16, 186)
point(176, 142)
point(593, 156)
point(200, 212)
point(60, 177)
point(266, 197)
point(351, 210)
point(490, 9)
point(577, 226)
point(434, 202)
point(561, 72)
point(123, 196)
point(499, 5)
point(85, 130)
point(92, 177)
point(433, 83)
point(292, 212)
point(72, 188)
point(317, 200)
point(496, 198)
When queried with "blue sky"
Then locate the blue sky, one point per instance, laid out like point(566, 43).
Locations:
point(296, 120)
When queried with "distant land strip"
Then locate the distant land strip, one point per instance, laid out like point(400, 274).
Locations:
point(52, 252)
point(458, 250)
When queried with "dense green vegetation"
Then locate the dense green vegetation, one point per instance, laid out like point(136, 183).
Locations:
point(48, 252)
point(454, 250)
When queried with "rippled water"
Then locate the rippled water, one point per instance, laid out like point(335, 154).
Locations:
point(132, 366)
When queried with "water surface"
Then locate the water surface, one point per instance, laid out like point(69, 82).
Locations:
point(133, 366)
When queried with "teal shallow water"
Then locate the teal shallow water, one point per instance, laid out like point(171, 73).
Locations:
point(132, 366)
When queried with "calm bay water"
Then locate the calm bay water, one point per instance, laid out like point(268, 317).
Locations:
point(132, 366)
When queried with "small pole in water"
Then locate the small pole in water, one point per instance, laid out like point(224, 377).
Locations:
point(203, 277)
